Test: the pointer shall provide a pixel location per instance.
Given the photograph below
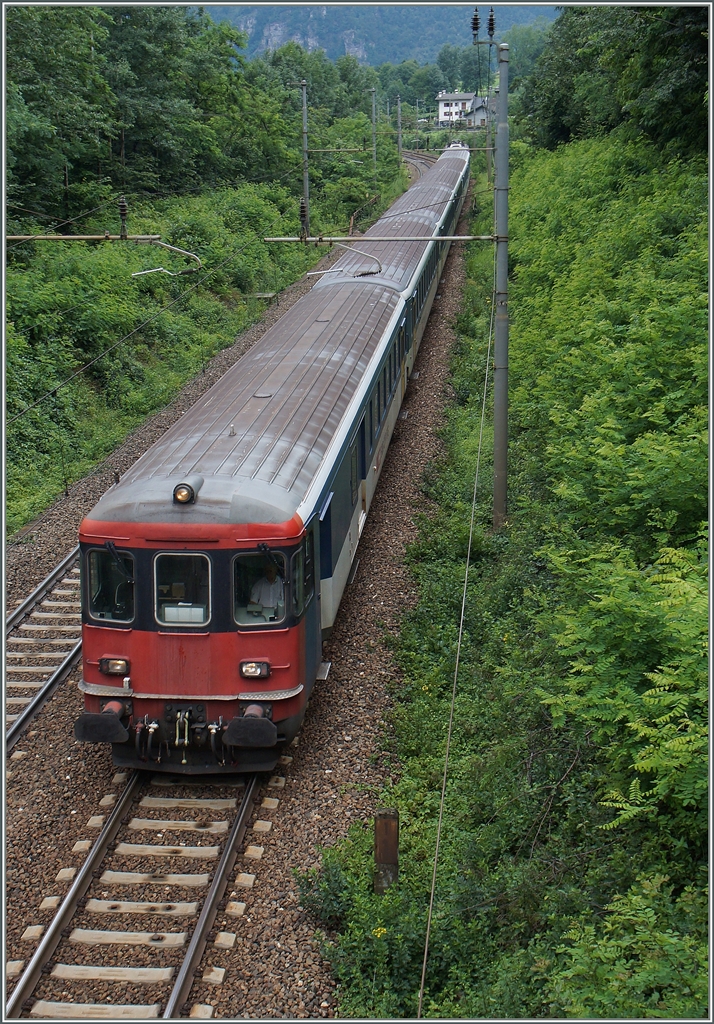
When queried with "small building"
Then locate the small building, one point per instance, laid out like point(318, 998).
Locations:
point(462, 108)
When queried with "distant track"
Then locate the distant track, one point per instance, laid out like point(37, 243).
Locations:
point(421, 162)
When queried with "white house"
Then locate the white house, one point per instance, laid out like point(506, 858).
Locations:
point(464, 108)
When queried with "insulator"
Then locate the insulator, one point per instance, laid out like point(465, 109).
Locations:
point(303, 212)
point(491, 23)
point(123, 207)
point(475, 22)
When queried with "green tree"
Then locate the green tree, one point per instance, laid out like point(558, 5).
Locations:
point(60, 106)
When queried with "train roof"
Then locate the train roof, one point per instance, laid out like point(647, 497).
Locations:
point(260, 435)
point(416, 212)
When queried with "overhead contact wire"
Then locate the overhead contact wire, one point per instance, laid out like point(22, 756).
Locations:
point(458, 653)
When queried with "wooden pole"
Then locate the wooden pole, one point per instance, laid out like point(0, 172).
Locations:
point(386, 849)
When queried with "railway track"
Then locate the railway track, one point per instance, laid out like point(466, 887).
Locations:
point(420, 162)
point(140, 876)
point(42, 645)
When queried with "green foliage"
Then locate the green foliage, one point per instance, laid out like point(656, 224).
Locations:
point(648, 958)
point(604, 66)
point(70, 303)
point(573, 853)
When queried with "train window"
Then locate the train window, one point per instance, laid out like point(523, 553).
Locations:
point(303, 575)
point(259, 588)
point(385, 388)
point(110, 585)
point(371, 425)
point(182, 591)
point(379, 408)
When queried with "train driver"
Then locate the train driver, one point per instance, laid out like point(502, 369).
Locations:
point(268, 590)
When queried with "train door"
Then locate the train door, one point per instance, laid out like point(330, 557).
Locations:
point(307, 562)
point(325, 565)
point(402, 350)
point(362, 472)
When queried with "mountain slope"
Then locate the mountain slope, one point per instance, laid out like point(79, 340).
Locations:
point(373, 33)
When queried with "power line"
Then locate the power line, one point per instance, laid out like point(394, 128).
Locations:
point(458, 656)
point(73, 220)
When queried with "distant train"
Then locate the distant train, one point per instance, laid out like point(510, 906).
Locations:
point(212, 572)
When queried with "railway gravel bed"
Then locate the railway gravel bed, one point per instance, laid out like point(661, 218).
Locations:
point(53, 785)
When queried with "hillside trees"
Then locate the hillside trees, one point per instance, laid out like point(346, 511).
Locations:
point(604, 66)
point(139, 99)
point(60, 107)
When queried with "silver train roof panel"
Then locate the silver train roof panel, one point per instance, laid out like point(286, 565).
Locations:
point(259, 436)
point(416, 212)
point(261, 432)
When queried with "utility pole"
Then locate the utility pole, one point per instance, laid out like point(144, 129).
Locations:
point(305, 174)
point(374, 131)
point(399, 127)
point(500, 378)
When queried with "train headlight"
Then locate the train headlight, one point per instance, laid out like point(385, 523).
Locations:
point(186, 492)
point(114, 666)
point(254, 669)
point(183, 494)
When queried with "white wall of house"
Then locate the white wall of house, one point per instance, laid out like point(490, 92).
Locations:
point(461, 107)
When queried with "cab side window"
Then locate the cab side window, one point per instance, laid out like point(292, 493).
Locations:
point(110, 586)
point(259, 585)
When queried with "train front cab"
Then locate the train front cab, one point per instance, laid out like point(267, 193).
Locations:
point(186, 665)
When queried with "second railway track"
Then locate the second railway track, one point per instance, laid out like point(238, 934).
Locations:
point(42, 645)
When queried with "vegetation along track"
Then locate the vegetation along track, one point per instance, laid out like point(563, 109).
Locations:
point(54, 786)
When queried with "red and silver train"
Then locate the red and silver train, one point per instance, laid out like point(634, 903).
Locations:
point(212, 572)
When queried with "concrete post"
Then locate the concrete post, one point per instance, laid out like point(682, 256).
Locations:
point(374, 131)
point(386, 850)
point(500, 379)
point(399, 127)
point(305, 172)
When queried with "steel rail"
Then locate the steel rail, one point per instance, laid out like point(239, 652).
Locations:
point(42, 696)
point(31, 975)
point(39, 592)
point(199, 939)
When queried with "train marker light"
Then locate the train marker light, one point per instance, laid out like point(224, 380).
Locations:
point(254, 669)
point(114, 666)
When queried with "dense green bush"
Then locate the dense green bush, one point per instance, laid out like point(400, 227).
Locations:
point(69, 304)
point(572, 876)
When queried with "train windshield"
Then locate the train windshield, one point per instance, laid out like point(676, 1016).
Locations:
point(110, 585)
point(182, 589)
point(259, 588)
